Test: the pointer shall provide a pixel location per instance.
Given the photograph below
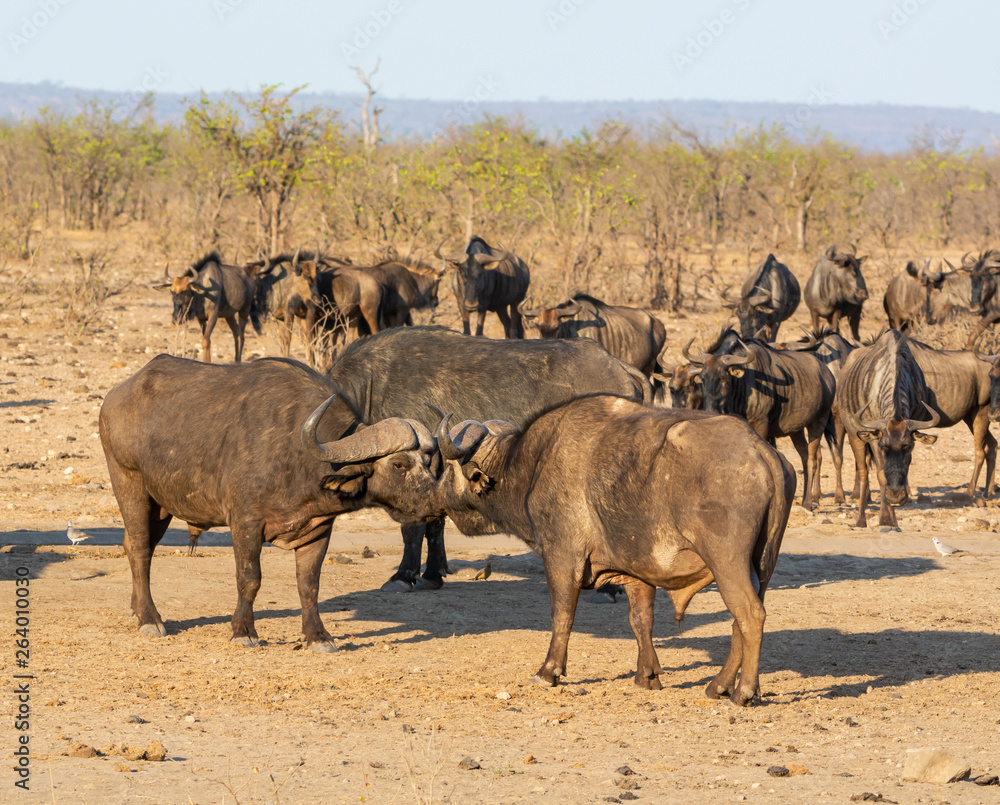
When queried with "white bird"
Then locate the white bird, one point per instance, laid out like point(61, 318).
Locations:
point(943, 548)
point(75, 534)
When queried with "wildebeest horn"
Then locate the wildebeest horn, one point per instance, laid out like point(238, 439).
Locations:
point(472, 434)
point(528, 312)
point(948, 263)
point(686, 347)
point(968, 259)
point(381, 439)
point(437, 253)
point(700, 358)
point(503, 251)
point(483, 258)
point(726, 301)
point(831, 251)
point(875, 424)
point(735, 360)
point(759, 299)
point(571, 311)
point(854, 249)
point(295, 258)
point(913, 424)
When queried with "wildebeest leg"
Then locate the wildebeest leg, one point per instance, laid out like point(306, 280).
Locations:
point(564, 593)
point(206, 337)
point(984, 447)
point(886, 512)
point(247, 543)
point(835, 318)
point(815, 434)
point(285, 335)
point(409, 567)
point(464, 313)
point(480, 321)
point(814, 314)
point(855, 320)
point(505, 321)
point(837, 451)
point(437, 560)
point(748, 633)
point(860, 477)
point(517, 322)
point(799, 443)
point(308, 563)
point(977, 331)
point(237, 329)
point(640, 618)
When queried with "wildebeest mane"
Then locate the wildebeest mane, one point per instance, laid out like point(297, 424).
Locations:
point(212, 257)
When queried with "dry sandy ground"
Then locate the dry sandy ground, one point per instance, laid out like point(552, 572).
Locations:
point(874, 644)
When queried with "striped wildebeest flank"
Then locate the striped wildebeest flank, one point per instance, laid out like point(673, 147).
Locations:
point(770, 294)
point(630, 334)
point(210, 290)
point(780, 393)
point(611, 491)
point(881, 392)
point(270, 449)
point(919, 294)
point(488, 279)
point(398, 372)
point(985, 302)
point(836, 289)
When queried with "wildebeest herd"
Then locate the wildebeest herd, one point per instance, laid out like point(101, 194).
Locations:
point(581, 443)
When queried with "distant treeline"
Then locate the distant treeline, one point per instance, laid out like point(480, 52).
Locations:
point(605, 210)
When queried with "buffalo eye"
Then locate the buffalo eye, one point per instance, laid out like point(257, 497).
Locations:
point(398, 465)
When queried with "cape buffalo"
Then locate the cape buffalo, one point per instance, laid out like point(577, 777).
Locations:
point(265, 448)
point(836, 289)
point(488, 279)
point(208, 291)
point(881, 391)
point(629, 334)
point(770, 294)
point(607, 490)
point(394, 373)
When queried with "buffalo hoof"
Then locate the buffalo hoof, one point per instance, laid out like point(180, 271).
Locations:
point(155, 629)
point(423, 584)
point(545, 683)
point(247, 641)
point(397, 586)
point(323, 647)
point(648, 682)
point(714, 691)
point(741, 698)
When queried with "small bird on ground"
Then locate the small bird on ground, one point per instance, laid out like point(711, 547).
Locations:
point(943, 548)
point(484, 573)
point(75, 535)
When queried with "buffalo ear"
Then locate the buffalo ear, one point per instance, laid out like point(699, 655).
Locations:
point(926, 438)
point(478, 480)
point(350, 481)
point(871, 435)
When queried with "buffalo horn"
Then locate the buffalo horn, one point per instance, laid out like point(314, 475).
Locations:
point(381, 439)
point(471, 434)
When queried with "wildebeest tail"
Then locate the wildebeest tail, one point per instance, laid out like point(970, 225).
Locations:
point(765, 552)
point(255, 309)
point(642, 382)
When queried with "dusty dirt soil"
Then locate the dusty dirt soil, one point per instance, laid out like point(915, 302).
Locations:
point(874, 643)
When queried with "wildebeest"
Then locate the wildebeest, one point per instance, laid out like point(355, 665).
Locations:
point(266, 448)
point(406, 290)
point(780, 393)
point(880, 394)
point(629, 334)
point(770, 294)
point(993, 361)
point(394, 373)
point(681, 383)
point(210, 290)
point(836, 289)
point(919, 294)
point(488, 279)
point(607, 490)
point(349, 299)
point(985, 301)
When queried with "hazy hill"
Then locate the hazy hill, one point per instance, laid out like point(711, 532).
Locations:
point(881, 127)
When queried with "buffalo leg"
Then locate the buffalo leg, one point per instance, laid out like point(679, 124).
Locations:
point(748, 633)
point(640, 618)
point(403, 579)
point(308, 563)
point(247, 544)
point(564, 593)
point(437, 560)
point(858, 447)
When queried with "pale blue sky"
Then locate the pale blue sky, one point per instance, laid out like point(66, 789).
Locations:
point(913, 52)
